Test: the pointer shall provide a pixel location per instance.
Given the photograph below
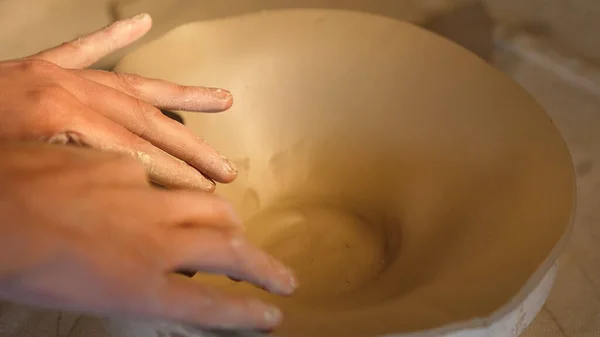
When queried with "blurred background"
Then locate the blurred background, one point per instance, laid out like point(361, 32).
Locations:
point(550, 47)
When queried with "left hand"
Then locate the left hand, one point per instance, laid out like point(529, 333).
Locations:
point(49, 96)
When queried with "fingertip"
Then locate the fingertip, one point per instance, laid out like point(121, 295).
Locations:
point(251, 314)
point(227, 172)
point(221, 100)
point(220, 170)
point(132, 28)
point(221, 94)
point(272, 317)
point(267, 316)
point(285, 284)
point(266, 272)
point(141, 19)
point(227, 104)
point(204, 185)
point(199, 181)
point(209, 186)
point(195, 182)
point(228, 178)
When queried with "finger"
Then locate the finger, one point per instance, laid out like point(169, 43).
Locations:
point(183, 300)
point(162, 168)
point(150, 124)
point(188, 209)
point(220, 252)
point(163, 94)
point(63, 131)
point(103, 134)
point(93, 164)
point(124, 170)
point(85, 51)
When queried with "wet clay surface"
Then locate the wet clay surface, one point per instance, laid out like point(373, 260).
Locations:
point(408, 183)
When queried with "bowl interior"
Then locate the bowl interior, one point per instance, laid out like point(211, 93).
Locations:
point(408, 183)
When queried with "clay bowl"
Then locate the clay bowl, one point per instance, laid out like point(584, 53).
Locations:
point(415, 189)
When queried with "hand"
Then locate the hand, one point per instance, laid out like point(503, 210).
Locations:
point(82, 230)
point(50, 97)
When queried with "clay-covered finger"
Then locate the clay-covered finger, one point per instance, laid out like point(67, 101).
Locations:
point(184, 300)
point(162, 168)
point(221, 252)
point(163, 94)
point(87, 50)
point(149, 123)
point(125, 171)
point(103, 134)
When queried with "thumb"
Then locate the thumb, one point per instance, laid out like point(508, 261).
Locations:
point(85, 51)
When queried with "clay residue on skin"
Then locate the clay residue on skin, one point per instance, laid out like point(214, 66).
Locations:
point(228, 166)
point(143, 157)
point(66, 138)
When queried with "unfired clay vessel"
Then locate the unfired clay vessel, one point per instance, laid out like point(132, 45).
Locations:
point(416, 190)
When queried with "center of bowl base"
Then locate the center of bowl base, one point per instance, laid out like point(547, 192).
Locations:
point(334, 250)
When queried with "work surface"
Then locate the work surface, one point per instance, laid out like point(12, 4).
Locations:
point(573, 102)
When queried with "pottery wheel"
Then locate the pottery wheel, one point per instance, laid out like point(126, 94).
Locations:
point(410, 184)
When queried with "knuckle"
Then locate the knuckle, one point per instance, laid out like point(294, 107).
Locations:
point(130, 83)
point(49, 96)
point(144, 115)
point(150, 112)
point(73, 45)
point(146, 118)
point(38, 66)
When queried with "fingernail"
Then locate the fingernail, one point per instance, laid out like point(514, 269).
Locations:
point(138, 17)
point(210, 185)
point(221, 94)
point(272, 315)
point(287, 282)
point(293, 279)
point(228, 166)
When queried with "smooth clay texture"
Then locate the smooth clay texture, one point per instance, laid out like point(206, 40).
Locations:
point(463, 21)
point(409, 184)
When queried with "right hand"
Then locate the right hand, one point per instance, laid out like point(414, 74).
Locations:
point(83, 230)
